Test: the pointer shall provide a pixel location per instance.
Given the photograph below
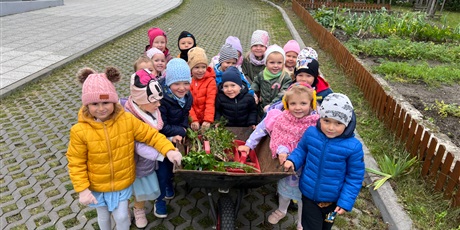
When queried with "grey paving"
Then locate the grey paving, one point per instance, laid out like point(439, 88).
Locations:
point(35, 191)
point(35, 42)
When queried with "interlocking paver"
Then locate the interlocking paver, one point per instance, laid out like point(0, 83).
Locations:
point(36, 120)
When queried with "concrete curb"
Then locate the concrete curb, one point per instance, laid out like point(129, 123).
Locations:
point(384, 198)
point(6, 91)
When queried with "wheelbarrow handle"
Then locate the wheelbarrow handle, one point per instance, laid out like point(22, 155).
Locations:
point(243, 157)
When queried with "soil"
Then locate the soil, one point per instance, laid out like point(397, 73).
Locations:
point(423, 97)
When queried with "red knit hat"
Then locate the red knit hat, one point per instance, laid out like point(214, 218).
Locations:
point(98, 87)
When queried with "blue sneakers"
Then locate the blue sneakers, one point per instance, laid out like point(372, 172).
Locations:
point(159, 209)
point(169, 193)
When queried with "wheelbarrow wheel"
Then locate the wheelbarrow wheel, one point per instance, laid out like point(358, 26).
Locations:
point(225, 213)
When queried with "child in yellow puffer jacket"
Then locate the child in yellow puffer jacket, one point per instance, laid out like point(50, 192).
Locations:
point(101, 148)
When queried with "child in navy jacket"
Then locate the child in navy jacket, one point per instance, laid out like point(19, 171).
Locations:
point(333, 164)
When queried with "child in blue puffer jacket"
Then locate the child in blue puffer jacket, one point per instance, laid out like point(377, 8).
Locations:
point(333, 164)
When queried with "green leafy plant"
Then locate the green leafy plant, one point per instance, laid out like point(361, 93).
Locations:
point(391, 168)
point(200, 160)
point(220, 140)
point(447, 109)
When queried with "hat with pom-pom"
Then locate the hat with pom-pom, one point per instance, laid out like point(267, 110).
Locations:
point(177, 70)
point(99, 87)
point(260, 37)
point(232, 74)
point(292, 46)
point(338, 107)
point(227, 52)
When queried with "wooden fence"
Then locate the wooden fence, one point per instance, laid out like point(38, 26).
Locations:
point(349, 5)
point(439, 166)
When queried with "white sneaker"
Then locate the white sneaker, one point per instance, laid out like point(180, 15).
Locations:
point(139, 218)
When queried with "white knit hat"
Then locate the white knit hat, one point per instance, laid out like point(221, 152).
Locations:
point(274, 48)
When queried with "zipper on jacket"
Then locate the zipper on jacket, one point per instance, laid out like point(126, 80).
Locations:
point(109, 149)
point(320, 171)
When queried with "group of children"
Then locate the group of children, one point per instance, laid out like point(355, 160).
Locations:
point(125, 147)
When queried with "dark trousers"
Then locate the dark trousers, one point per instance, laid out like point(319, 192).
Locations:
point(313, 216)
point(165, 175)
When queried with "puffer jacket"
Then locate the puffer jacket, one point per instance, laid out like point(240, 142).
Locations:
point(270, 91)
point(101, 154)
point(250, 70)
point(204, 92)
point(175, 117)
point(333, 168)
point(240, 111)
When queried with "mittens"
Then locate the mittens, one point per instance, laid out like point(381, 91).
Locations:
point(174, 156)
point(86, 197)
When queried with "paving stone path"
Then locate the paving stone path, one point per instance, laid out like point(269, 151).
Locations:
point(35, 190)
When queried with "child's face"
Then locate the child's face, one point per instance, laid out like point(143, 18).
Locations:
point(159, 62)
point(291, 58)
point(258, 50)
point(160, 43)
point(299, 105)
point(146, 65)
point(275, 63)
point(180, 89)
point(231, 89)
point(101, 110)
point(185, 43)
point(199, 70)
point(305, 77)
point(150, 107)
point(227, 63)
point(331, 127)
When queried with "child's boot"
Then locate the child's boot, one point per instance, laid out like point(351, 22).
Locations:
point(276, 216)
point(139, 218)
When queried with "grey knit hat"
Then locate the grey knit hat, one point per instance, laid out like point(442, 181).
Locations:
point(338, 107)
point(227, 52)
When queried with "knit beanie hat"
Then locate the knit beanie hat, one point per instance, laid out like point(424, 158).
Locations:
point(98, 87)
point(153, 33)
point(152, 51)
point(308, 52)
point(196, 56)
point(232, 74)
point(177, 70)
point(292, 45)
point(271, 49)
point(227, 52)
point(260, 37)
point(337, 106)
point(145, 93)
point(235, 43)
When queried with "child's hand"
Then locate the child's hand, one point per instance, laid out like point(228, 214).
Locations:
point(244, 148)
point(339, 210)
point(253, 127)
point(288, 165)
point(174, 156)
point(256, 98)
point(177, 139)
point(282, 157)
point(266, 108)
point(86, 197)
point(195, 126)
point(205, 125)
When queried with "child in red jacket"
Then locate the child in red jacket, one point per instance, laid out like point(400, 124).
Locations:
point(203, 89)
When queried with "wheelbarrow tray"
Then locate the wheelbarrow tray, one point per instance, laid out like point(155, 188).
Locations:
point(270, 169)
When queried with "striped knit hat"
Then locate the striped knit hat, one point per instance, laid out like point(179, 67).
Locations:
point(227, 52)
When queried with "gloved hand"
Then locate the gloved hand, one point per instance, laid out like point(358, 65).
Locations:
point(174, 156)
point(85, 197)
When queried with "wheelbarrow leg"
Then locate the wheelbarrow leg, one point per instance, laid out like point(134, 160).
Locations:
point(241, 193)
point(211, 205)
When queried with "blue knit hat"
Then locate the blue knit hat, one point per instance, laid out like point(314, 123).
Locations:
point(232, 74)
point(177, 70)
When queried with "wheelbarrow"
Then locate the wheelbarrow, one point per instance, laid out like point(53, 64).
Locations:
point(227, 207)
